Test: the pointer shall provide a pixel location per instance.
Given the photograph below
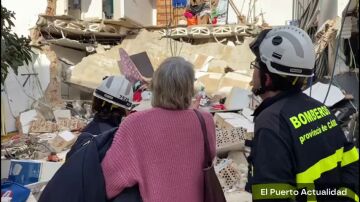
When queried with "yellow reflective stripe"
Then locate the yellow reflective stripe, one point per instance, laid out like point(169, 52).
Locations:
point(324, 165)
point(350, 157)
point(350, 194)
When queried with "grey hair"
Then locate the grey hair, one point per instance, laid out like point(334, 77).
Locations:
point(172, 84)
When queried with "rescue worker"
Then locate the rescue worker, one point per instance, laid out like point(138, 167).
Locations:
point(112, 101)
point(81, 178)
point(299, 150)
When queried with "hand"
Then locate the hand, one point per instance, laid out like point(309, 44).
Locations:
point(196, 103)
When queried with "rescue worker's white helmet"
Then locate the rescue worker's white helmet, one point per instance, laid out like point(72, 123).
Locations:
point(288, 50)
point(116, 90)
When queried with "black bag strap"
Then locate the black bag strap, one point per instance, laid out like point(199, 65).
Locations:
point(208, 160)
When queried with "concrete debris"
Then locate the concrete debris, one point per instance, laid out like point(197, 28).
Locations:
point(230, 176)
point(230, 139)
point(42, 126)
point(25, 147)
point(72, 124)
point(247, 113)
point(319, 90)
point(201, 62)
point(62, 141)
point(239, 158)
point(65, 42)
point(237, 99)
point(62, 114)
point(235, 79)
point(233, 120)
point(53, 91)
point(26, 119)
point(87, 72)
point(211, 81)
point(217, 66)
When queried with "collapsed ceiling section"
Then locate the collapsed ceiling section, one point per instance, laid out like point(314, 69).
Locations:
point(209, 58)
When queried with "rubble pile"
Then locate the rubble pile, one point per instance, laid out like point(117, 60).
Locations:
point(231, 166)
point(218, 67)
point(39, 138)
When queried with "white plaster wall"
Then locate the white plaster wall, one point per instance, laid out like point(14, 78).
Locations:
point(91, 9)
point(18, 98)
point(277, 12)
point(139, 11)
point(26, 13)
point(62, 7)
point(341, 6)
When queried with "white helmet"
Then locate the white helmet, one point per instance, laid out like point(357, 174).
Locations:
point(116, 90)
point(288, 50)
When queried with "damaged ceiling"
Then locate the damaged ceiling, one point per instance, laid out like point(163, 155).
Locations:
point(90, 71)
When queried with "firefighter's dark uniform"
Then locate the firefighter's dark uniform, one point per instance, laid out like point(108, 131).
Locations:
point(298, 144)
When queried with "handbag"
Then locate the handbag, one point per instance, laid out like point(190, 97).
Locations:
point(212, 188)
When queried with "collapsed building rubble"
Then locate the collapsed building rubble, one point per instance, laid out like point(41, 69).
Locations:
point(214, 57)
point(222, 71)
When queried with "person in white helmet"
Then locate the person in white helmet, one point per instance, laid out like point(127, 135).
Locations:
point(299, 150)
point(81, 178)
point(112, 101)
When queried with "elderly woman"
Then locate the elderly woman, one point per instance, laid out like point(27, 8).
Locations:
point(162, 149)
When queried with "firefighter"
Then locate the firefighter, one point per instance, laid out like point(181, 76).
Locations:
point(112, 101)
point(299, 151)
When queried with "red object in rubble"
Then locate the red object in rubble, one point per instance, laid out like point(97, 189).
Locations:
point(53, 157)
point(188, 14)
point(214, 21)
point(218, 107)
point(137, 96)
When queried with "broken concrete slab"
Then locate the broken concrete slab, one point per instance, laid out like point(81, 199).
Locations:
point(62, 114)
point(88, 72)
point(234, 79)
point(69, 43)
point(62, 141)
point(238, 157)
point(237, 99)
point(247, 113)
point(217, 66)
point(211, 81)
point(26, 119)
point(319, 90)
point(68, 55)
point(201, 62)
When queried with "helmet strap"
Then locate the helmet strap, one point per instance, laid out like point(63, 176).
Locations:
point(294, 81)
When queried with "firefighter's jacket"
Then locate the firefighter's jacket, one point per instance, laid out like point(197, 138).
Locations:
point(300, 152)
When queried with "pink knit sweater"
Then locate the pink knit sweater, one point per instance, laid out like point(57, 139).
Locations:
point(162, 151)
